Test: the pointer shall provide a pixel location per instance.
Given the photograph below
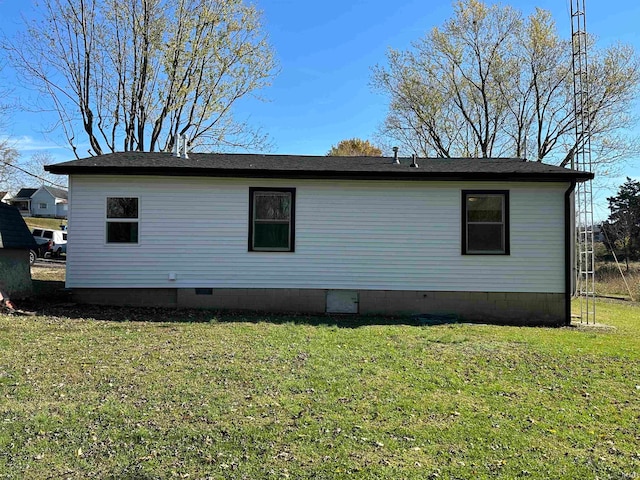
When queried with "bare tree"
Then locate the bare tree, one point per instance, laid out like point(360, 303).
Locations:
point(8, 173)
point(35, 172)
point(134, 74)
point(16, 173)
point(490, 82)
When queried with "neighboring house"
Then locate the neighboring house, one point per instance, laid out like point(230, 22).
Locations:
point(4, 197)
point(22, 200)
point(42, 202)
point(49, 202)
point(598, 234)
point(486, 239)
point(15, 242)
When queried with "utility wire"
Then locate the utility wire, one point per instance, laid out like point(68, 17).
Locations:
point(44, 180)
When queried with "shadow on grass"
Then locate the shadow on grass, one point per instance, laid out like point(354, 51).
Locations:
point(51, 299)
point(51, 290)
point(131, 472)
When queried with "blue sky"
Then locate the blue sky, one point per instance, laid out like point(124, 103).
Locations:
point(326, 51)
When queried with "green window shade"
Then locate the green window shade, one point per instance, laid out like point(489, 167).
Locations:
point(484, 209)
point(271, 235)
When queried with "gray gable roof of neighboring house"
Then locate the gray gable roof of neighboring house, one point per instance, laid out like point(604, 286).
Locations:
point(25, 193)
point(301, 166)
point(56, 192)
point(14, 233)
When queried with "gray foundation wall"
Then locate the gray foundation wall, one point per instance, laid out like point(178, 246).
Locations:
point(492, 307)
point(134, 297)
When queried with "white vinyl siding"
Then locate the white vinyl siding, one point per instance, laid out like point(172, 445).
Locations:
point(381, 235)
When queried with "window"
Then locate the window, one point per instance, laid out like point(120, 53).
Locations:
point(122, 220)
point(42, 206)
point(272, 219)
point(485, 222)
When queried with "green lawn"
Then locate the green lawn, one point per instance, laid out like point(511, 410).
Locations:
point(124, 394)
point(41, 222)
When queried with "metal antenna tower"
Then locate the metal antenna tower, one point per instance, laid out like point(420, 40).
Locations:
point(585, 266)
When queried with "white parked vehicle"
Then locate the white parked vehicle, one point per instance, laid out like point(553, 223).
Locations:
point(57, 239)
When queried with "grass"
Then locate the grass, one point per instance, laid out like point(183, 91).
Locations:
point(122, 393)
point(609, 281)
point(41, 222)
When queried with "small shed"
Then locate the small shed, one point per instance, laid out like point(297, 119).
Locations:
point(15, 242)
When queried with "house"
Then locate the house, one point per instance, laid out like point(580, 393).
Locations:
point(598, 233)
point(22, 200)
point(45, 201)
point(49, 202)
point(15, 242)
point(486, 239)
point(4, 197)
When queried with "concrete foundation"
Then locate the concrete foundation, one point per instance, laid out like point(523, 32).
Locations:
point(507, 308)
point(134, 297)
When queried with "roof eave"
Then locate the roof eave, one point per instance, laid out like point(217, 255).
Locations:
point(319, 174)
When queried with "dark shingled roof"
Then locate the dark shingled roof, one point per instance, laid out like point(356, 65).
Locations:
point(301, 166)
point(25, 193)
point(14, 233)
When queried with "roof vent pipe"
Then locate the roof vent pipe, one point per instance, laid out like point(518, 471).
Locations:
point(176, 146)
point(395, 155)
point(414, 163)
point(181, 146)
point(185, 146)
